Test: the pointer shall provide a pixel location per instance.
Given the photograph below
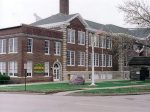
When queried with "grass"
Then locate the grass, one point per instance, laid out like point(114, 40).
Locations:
point(131, 90)
point(57, 87)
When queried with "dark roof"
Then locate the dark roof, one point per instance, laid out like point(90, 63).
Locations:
point(139, 61)
point(141, 32)
point(53, 19)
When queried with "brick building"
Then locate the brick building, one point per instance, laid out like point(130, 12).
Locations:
point(58, 47)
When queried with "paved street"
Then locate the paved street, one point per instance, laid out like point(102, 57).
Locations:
point(54, 103)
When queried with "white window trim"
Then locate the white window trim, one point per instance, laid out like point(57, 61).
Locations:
point(95, 60)
point(13, 68)
point(80, 37)
point(57, 45)
point(31, 68)
point(71, 58)
point(48, 69)
point(48, 47)
point(31, 46)
point(2, 52)
point(81, 59)
point(103, 60)
point(1, 67)
point(13, 46)
point(70, 38)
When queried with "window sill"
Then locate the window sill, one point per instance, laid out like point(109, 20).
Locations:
point(12, 52)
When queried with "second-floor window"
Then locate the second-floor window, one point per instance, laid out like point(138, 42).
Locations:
point(13, 45)
point(71, 36)
point(2, 46)
point(30, 45)
point(109, 43)
point(81, 38)
point(102, 42)
point(58, 48)
point(46, 46)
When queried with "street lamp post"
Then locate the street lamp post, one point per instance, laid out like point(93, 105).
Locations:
point(93, 39)
point(25, 76)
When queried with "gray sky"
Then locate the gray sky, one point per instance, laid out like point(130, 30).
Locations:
point(15, 12)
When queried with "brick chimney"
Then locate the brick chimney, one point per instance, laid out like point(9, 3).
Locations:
point(64, 7)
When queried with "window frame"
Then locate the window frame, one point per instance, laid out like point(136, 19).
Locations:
point(71, 36)
point(30, 46)
point(58, 48)
point(81, 38)
point(70, 58)
point(3, 46)
point(14, 46)
point(47, 48)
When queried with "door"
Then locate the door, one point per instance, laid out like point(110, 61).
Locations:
point(56, 72)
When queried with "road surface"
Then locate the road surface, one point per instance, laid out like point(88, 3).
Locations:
point(53, 103)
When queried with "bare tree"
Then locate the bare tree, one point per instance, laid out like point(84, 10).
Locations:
point(136, 12)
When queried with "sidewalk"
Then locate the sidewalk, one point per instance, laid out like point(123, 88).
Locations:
point(84, 89)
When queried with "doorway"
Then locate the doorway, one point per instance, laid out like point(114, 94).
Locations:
point(56, 72)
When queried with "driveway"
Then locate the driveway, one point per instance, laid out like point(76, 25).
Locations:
point(52, 103)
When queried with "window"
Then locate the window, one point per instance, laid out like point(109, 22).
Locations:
point(29, 45)
point(58, 48)
point(2, 67)
point(13, 45)
point(96, 59)
point(103, 42)
point(90, 36)
point(71, 36)
point(70, 58)
point(46, 69)
point(104, 60)
point(46, 47)
point(3, 46)
point(13, 68)
point(109, 60)
point(29, 68)
point(81, 58)
point(96, 43)
point(81, 38)
point(109, 43)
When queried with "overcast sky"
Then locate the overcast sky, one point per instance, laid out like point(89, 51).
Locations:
point(16, 12)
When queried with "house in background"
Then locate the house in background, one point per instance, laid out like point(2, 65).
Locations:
point(58, 47)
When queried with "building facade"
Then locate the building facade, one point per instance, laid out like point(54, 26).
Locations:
point(60, 46)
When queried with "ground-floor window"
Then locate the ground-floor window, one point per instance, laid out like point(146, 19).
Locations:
point(29, 68)
point(109, 60)
point(12, 68)
point(81, 58)
point(46, 69)
point(70, 58)
point(2, 67)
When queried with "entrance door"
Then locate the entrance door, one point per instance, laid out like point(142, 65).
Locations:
point(56, 72)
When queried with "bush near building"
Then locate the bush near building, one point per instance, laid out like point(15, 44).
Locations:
point(4, 79)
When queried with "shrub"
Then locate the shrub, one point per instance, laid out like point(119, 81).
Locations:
point(4, 79)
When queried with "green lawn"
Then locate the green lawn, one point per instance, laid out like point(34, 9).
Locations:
point(57, 87)
point(131, 90)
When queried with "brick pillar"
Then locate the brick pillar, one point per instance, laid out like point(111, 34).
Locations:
point(64, 50)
